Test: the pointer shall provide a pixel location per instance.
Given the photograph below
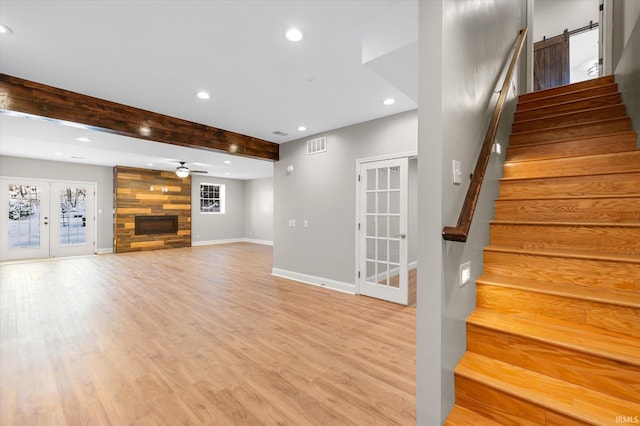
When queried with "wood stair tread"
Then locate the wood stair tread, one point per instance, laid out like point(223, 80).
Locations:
point(571, 400)
point(606, 173)
point(577, 337)
point(569, 126)
point(567, 96)
point(571, 197)
point(567, 88)
point(573, 254)
point(542, 111)
point(614, 134)
point(575, 117)
point(625, 136)
point(607, 163)
point(464, 417)
point(572, 223)
point(592, 294)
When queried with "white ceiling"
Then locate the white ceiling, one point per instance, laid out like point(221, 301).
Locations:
point(156, 55)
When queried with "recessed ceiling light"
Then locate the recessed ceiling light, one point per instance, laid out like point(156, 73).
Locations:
point(302, 128)
point(226, 174)
point(294, 34)
point(203, 95)
point(389, 101)
point(149, 164)
point(57, 153)
point(5, 30)
point(227, 162)
point(83, 139)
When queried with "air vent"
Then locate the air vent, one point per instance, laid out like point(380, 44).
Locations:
point(279, 133)
point(315, 146)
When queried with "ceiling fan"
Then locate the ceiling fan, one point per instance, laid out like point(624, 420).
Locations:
point(183, 171)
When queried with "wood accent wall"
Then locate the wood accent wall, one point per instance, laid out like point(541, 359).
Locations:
point(133, 196)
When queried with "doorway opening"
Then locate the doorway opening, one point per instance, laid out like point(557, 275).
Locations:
point(386, 220)
point(566, 42)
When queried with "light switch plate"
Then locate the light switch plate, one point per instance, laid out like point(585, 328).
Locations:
point(457, 173)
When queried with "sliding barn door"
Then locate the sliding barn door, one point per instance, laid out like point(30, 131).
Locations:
point(551, 62)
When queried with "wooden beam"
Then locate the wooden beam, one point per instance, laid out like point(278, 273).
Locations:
point(28, 97)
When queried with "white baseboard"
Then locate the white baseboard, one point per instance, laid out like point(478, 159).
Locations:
point(104, 251)
point(212, 242)
point(317, 281)
point(231, 240)
point(263, 242)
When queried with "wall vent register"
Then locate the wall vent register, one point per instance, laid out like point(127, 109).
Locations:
point(315, 146)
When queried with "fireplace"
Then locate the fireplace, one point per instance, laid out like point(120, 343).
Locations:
point(148, 225)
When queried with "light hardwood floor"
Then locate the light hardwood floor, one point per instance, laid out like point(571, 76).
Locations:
point(201, 335)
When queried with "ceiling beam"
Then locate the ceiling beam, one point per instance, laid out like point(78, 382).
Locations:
point(27, 97)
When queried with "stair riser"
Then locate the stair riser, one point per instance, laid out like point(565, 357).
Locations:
point(573, 148)
point(567, 97)
point(595, 102)
point(497, 406)
point(589, 370)
point(562, 310)
point(607, 239)
point(621, 210)
point(578, 131)
point(574, 166)
point(584, 272)
point(614, 184)
point(602, 113)
point(583, 85)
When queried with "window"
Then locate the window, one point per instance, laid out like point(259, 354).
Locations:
point(211, 198)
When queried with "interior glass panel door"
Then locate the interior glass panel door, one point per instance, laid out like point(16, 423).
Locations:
point(383, 239)
point(24, 206)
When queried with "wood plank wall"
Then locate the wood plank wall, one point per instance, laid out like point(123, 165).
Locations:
point(140, 192)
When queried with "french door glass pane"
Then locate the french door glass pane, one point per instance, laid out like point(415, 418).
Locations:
point(73, 216)
point(24, 216)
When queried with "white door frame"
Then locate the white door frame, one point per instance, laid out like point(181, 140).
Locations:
point(359, 162)
point(606, 35)
point(48, 183)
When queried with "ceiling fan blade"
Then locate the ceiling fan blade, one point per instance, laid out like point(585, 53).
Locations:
point(198, 171)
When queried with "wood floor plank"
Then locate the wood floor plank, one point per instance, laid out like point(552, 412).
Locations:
point(201, 335)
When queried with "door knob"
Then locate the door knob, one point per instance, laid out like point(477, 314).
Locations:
point(400, 236)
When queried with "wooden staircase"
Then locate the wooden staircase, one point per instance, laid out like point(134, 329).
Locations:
point(555, 336)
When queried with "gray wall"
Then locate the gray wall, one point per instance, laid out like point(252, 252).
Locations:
point(322, 190)
point(215, 227)
point(464, 47)
point(258, 209)
point(625, 17)
point(552, 17)
point(627, 72)
point(55, 170)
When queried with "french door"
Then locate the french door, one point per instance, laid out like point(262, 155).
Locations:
point(46, 219)
point(383, 220)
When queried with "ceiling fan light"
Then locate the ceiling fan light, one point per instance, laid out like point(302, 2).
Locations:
point(182, 172)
